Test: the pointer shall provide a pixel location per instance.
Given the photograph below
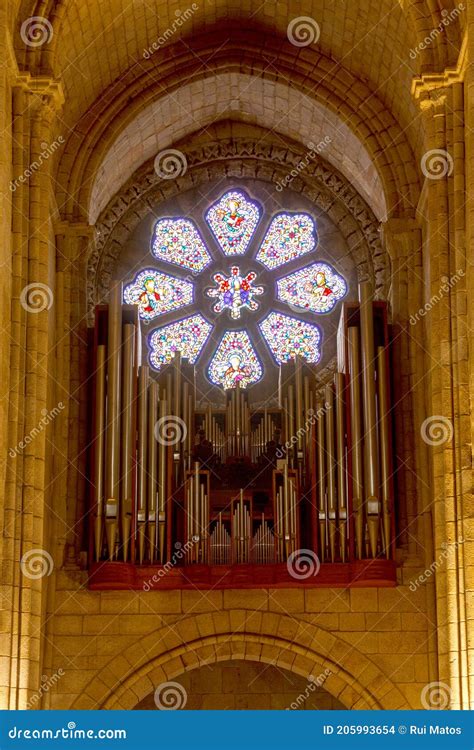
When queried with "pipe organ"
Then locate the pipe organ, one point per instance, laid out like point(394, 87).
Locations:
point(239, 483)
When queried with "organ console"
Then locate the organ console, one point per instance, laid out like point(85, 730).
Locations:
point(243, 486)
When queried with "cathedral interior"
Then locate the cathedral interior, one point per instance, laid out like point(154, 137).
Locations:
point(236, 378)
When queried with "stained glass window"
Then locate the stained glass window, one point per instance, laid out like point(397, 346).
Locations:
point(233, 220)
point(157, 293)
point(187, 336)
point(177, 241)
point(287, 337)
point(235, 292)
point(316, 288)
point(235, 361)
point(289, 236)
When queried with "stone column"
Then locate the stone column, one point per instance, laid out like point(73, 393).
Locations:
point(26, 557)
point(447, 432)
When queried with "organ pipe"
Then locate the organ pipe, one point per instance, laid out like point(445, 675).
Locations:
point(112, 442)
point(370, 414)
point(331, 468)
point(99, 448)
point(127, 434)
point(142, 460)
point(356, 438)
point(341, 462)
point(385, 464)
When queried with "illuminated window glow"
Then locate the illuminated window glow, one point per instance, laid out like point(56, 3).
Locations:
point(232, 221)
point(289, 236)
point(287, 337)
point(187, 336)
point(177, 241)
point(157, 293)
point(235, 361)
point(235, 292)
point(316, 288)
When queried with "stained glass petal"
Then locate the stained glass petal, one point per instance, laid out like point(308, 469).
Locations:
point(187, 336)
point(316, 288)
point(289, 236)
point(178, 241)
point(157, 293)
point(287, 337)
point(235, 361)
point(232, 221)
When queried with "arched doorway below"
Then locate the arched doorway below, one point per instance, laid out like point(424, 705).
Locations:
point(241, 685)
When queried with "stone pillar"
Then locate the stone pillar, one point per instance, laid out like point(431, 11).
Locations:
point(26, 557)
point(447, 433)
point(403, 240)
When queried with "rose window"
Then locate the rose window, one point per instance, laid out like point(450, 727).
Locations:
point(235, 306)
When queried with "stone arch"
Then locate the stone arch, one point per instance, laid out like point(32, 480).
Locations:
point(248, 156)
point(318, 79)
point(251, 635)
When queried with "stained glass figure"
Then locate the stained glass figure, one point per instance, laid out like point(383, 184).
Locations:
point(187, 336)
point(157, 293)
point(235, 292)
point(287, 337)
point(235, 361)
point(232, 221)
point(316, 288)
point(177, 241)
point(289, 236)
